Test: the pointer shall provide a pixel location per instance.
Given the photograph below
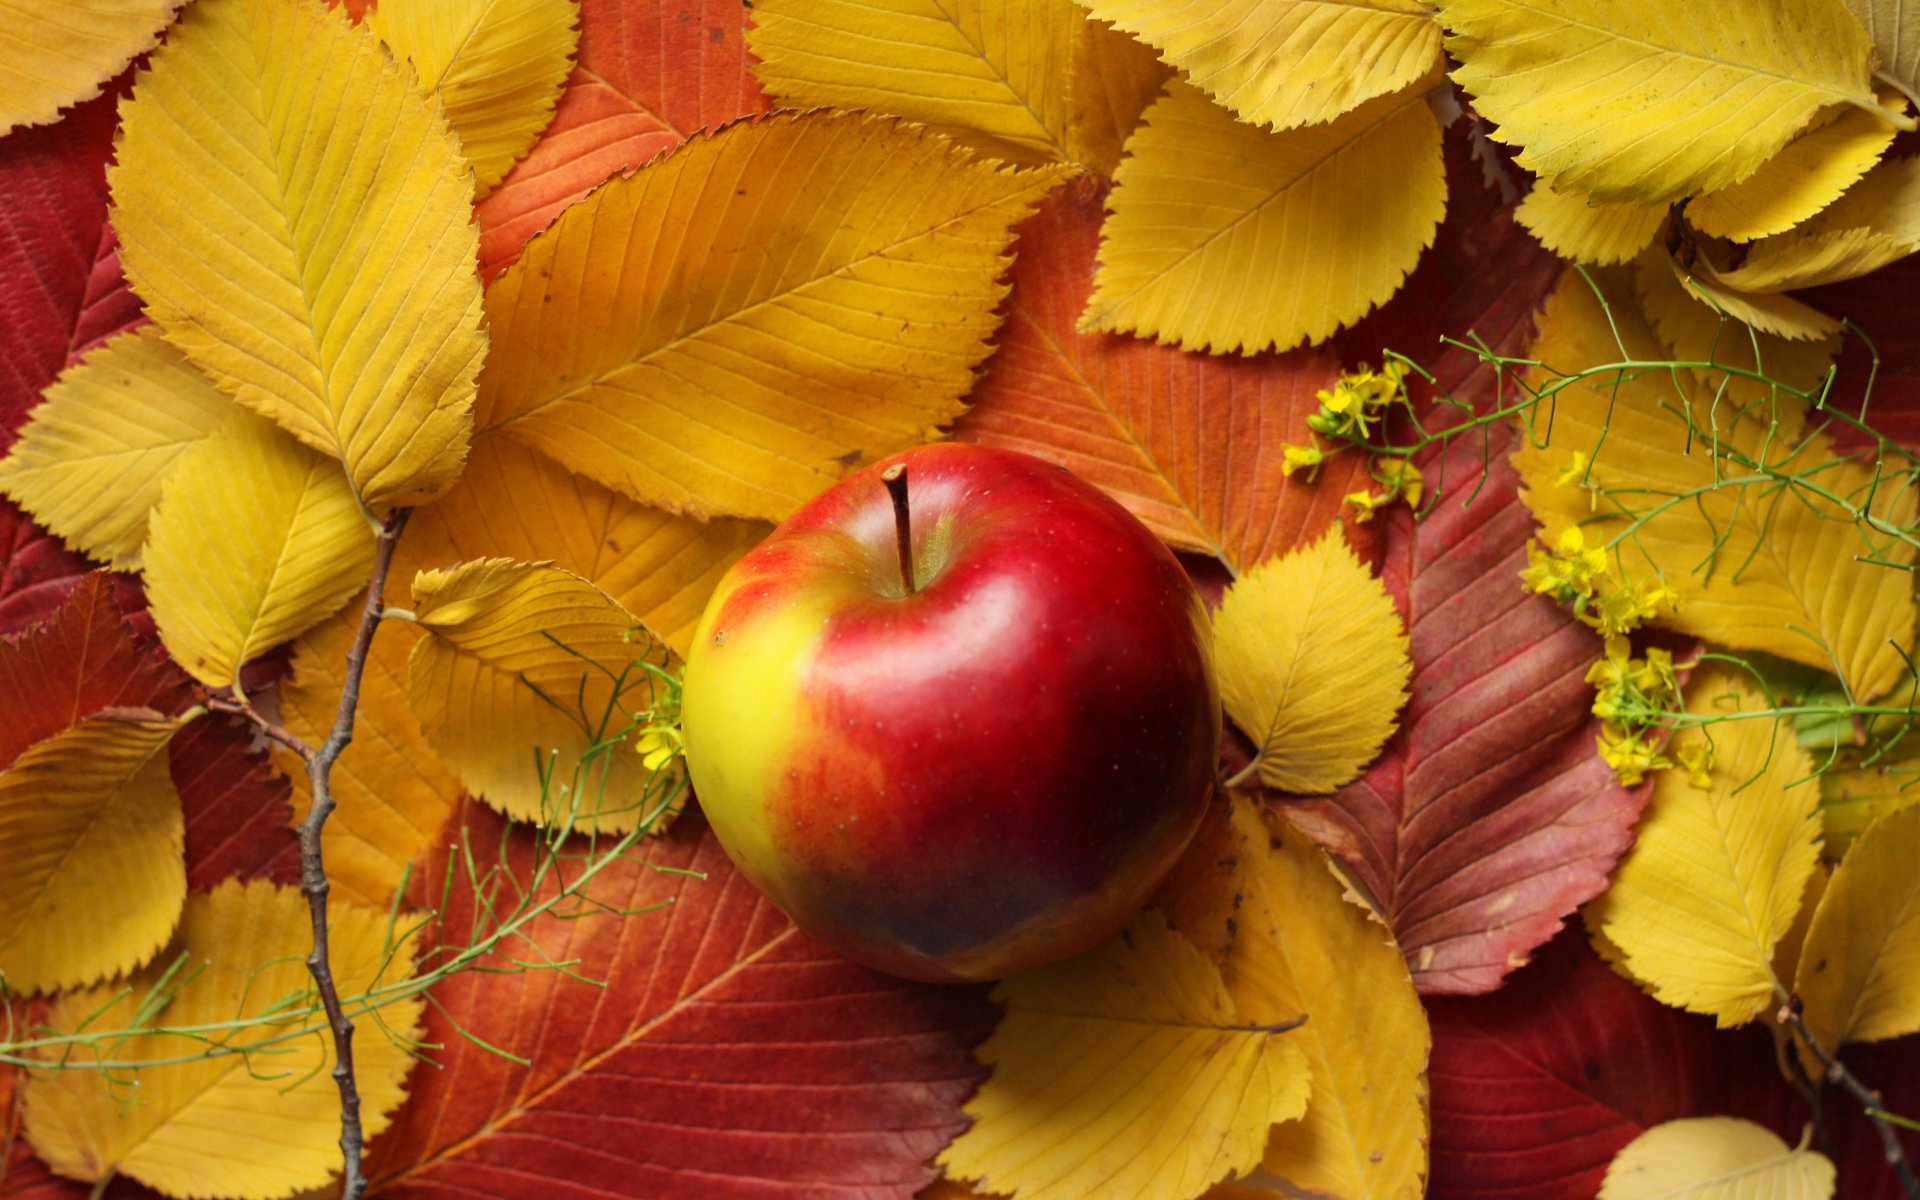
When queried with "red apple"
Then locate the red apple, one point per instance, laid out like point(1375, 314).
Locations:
point(976, 774)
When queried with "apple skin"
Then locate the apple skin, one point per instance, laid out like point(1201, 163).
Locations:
point(981, 777)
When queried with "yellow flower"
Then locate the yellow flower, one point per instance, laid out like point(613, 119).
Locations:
point(1357, 399)
point(1697, 758)
point(1368, 504)
point(1403, 480)
point(659, 745)
point(1630, 753)
point(1302, 458)
point(1576, 474)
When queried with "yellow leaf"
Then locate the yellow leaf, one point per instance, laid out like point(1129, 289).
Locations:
point(93, 835)
point(1895, 28)
point(1283, 63)
point(1300, 947)
point(496, 65)
point(1313, 665)
point(1769, 312)
point(256, 539)
point(393, 792)
point(1693, 332)
point(1716, 874)
point(1797, 259)
point(1852, 799)
point(54, 55)
point(1122, 1073)
point(299, 223)
point(91, 459)
point(527, 670)
point(1859, 974)
point(1114, 80)
point(1811, 173)
point(995, 74)
point(252, 1127)
point(514, 503)
point(1587, 230)
point(1753, 573)
point(739, 324)
point(1632, 100)
point(1293, 235)
point(1715, 1158)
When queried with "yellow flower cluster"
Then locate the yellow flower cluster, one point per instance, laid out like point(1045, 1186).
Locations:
point(1629, 694)
point(1580, 577)
point(660, 743)
point(1347, 413)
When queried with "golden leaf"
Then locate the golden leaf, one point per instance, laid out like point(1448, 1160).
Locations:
point(256, 539)
point(527, 671)
point(1852, 799)
point(1716, 874)
point(1313, 665)
point(55, 55)
point(1283, 63)
point(299, 223)
point(1693, 332)
point(496, 65)
point(1292, 237)
point(393, 793)
point(1715, 1158)
point(1886, 200)
point(1786, 578)
point(1859, 973)
point(1300, 947)
point(1769, 312)
point(1114, 80)
point(253, 1126)
point(1586, 230)
point(514, 503)
point(995, 74)
point(1125, 1072)
point(1798, 259)
point(93, 831)
point(740, 323)
point(90, 461)
point(1894, 26)
point(1811, 173)
point(1626, 100)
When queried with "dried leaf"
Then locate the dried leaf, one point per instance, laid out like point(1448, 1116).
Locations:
point(1625, 101)
point(1859, 972)
point(393, 793)
point(1191, 445)
point(1716, 874)
point(210, 1126)
point(325, 275)
point(1768, 312)
point(497, 67)
point(55, 55)
point(95, 877)
point(1489, 817)
point(765, 1062)
point(1586, 230)
point(1807, 596)
point(1809, 174)
point(852, 340)
point(1124, 1072)
point(1716, 1158)
point(651, 73)
point(1852, 799)
point(229, 582)
point(36, 571)
point(1312, 665)
point(1289, 240)
point(1693, 332)
point(1895, 28)
point(1115, 79)
point(1797, 259)
point(529, 672)
point(1295, 62)
point(1300, 947)
point(90, 462)
point(514, 503)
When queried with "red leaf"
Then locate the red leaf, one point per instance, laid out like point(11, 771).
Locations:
point(727, 1056)
point(1489, 817)
point(650, 73)
point(61, 290)
point(82, 659)
point(36, 570)
point(239, 817)
point(1886, 307)
point(1189, 443)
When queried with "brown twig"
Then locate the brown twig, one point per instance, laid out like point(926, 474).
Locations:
point(313, 874)
point(1869, 1100)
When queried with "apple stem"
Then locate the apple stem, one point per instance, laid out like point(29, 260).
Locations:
point(895, 477)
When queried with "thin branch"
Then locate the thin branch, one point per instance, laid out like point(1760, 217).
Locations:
point(1869, 1100)
point(313, 873)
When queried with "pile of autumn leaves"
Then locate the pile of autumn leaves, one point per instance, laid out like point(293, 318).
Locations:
point(688, 353)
